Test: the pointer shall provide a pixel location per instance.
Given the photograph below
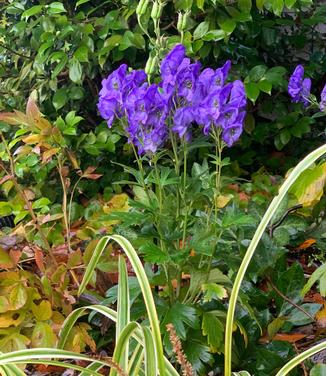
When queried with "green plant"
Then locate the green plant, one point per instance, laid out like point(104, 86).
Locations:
point(294, 175)
point(149, 338)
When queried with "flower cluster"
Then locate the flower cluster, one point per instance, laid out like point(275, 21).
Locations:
point(299, 89)
point(185, 97)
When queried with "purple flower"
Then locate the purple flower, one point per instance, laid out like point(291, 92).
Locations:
point(172, 61)
point(299, 87)
point(114, 90)
point(183, 118)
point(322, 104)
point(146, 112)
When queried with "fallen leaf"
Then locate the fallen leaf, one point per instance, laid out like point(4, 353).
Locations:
point(321, 317)
point(306, 244)
point(291, 338)
point(39, 259)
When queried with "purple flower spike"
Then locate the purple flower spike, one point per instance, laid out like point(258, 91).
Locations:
point(322, 104)
point(172, 61)
point(299, 87)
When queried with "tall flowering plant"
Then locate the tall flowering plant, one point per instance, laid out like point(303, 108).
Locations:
point(176, 204)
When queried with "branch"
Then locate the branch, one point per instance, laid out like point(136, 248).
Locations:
point(15, 53)
point(280, 293)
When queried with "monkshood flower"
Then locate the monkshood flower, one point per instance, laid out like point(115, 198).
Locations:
point(299, 87)
point(184, 98)
point(146, 113)
point(114, 90)
point(322, 104)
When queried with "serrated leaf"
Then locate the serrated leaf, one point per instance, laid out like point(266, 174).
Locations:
point(214, 330)
point(181, 316)
point(154, 254)
point(213, 291)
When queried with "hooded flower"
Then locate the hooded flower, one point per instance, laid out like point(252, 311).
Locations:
point(299, 87)
point(114, 90)
point(146, 112)
point(322, 104)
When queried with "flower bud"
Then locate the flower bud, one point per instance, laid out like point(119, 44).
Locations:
point(141, 7)
point(182, 21)
point(157, 10)
point(150, 65)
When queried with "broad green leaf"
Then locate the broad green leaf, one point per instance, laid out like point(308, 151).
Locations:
point(5, 209)
point(75, 71)
point(285, 136)
point(260, 4)
point(200, 4)
point(265, 86)
point(214, 330)
point(257, 73)
point(228, 25)
point(80, 2)
point(252, 91)
point(290, 3)
point(290, 284)
point(60, 98)
point(309, 188)
point(56, 7)
point(154, 254)
point(277, 6)
point(214, 35)
point(298, 318)
point(81, 54)
point(36, 9)
point(201, 30)
point(245, 5)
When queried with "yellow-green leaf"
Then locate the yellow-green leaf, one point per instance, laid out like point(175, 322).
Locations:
point(309, 188)
point(43, 311)
point(43, 336)
point(18, 297)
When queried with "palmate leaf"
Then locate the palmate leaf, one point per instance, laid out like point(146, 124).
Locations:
point(214, 330)
point(181, 316)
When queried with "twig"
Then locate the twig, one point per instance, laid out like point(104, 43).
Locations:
point(281, 220)
point(304, 368)
point(280, 293)
point(15, 52)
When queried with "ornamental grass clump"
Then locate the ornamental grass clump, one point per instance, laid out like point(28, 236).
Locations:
point(185, 97)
